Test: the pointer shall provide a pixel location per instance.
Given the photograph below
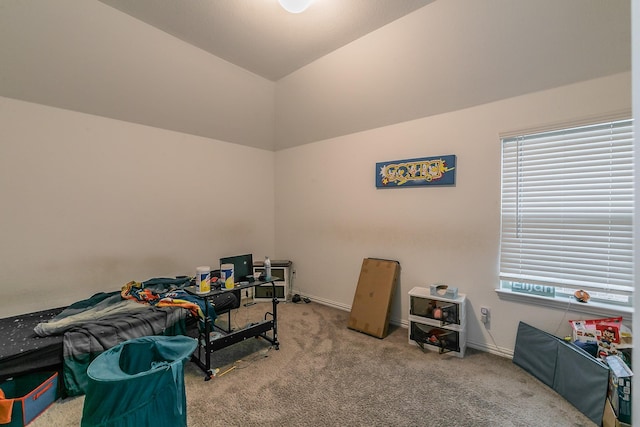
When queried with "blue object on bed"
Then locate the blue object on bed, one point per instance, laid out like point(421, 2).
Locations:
point(566, 368)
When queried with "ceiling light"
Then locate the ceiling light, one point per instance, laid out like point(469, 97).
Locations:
point(295, 6)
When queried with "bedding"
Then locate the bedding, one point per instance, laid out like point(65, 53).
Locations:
point(21, 350)
point(77, 334)
point(81, 345)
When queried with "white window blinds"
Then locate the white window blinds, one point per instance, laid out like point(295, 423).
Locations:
point(567, 208)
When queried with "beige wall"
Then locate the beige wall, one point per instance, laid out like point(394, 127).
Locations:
point(635, 18)
point(89, 57)
point(329, 214)
point(451, 55)
point(90, 203)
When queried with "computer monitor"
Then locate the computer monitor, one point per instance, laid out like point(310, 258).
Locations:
point(242, 266)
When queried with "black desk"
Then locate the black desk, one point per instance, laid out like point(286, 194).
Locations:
point(228, 337)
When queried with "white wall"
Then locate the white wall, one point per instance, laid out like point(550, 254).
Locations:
point(90, 203)
point(329, 214)
point(635, 19)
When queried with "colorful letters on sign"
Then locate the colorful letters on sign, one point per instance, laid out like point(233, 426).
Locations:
point(416, 172)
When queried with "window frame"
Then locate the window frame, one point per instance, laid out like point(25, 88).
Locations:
point(561, 297)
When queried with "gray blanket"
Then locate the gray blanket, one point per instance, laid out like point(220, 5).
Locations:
point(82, 344)
point(91, 326)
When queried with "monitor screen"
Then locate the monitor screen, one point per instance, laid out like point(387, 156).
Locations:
point(242, 266)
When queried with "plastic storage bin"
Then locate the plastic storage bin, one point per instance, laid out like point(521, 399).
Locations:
point(26, 397)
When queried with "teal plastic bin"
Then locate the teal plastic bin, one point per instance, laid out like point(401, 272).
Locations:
point(139, 382)
point(28, 395)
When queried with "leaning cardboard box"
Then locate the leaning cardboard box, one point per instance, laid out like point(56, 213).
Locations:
point(25, 397)
point(620, 388)
point(371, 307)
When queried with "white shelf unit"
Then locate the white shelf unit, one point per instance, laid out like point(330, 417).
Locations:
point(437, 323)
point(281, 271)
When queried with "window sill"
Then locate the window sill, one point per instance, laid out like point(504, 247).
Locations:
point(568, 304)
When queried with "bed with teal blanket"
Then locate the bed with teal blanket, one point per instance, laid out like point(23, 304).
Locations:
point(71, 338)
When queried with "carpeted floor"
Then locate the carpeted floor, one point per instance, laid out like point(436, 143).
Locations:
point(325, 374)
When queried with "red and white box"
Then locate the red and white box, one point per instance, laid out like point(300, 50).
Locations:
point(610, 334)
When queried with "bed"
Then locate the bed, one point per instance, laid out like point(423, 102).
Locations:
point(21, 350)
point(67, 339)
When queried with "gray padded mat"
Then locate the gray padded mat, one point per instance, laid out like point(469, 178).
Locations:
point(572, 372)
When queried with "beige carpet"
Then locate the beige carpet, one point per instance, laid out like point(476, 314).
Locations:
point(328, 375)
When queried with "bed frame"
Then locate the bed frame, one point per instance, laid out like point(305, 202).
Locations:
point(22, 351)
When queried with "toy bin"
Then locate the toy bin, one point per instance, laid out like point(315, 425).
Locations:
point(139, 382)
point(26, 397)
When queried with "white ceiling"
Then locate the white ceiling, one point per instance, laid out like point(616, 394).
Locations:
point(260, 36)
point(248, 72)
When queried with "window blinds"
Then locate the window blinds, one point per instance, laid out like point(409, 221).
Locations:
point(567, 208)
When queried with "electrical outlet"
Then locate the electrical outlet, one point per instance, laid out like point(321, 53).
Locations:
point(485, 313)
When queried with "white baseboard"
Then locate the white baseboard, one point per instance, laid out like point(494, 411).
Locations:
point(327, 302)
point(498, 351)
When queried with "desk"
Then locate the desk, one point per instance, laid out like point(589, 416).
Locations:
point(229, 336)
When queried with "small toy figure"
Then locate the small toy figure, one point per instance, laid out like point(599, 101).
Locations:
point(609, 336)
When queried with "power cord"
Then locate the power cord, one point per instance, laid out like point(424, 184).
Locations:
point(237, 364)
point(248, 302)
point(564, 316)
point(260, 355)
point(495, 344)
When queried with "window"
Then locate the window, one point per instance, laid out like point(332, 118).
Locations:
point(567, 211)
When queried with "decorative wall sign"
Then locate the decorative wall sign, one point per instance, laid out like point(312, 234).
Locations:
point(528, 288)
point(416, 172)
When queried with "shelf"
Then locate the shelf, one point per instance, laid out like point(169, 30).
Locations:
point(281, 274)
point(445, 340)
point(233, 337)
point(437, 323)
point(225, 337)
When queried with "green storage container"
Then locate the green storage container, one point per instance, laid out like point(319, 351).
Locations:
point(139, 382)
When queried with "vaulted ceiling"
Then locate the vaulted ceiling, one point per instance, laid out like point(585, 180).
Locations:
point(250, 73)
point(259, 35)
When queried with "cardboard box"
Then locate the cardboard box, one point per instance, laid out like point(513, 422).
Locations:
point(27, 397)
point(620, 388)
point(586, 331)
point(592, 329)
point(612, 339)
point(371, 307)
point(609, 418)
